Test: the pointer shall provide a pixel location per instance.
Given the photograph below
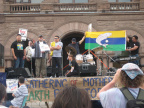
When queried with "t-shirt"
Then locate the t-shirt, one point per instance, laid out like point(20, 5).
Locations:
point(18, 48)
point(1, 106)
point(75, 65)
point(57, 53)
point(19, 93)
point(40, 44)
point(114, 98)
point(76, 46)
point(137, 50)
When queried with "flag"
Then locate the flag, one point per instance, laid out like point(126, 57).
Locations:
point(109, 40)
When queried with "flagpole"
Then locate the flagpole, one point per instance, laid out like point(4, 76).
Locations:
point(89, 30)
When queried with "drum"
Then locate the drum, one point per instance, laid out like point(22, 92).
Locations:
point(89, 57)
point(92, 62)
point(79, 58)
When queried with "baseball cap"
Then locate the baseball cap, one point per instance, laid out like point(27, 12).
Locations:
point(132, 70)
point(73, 39)
point(18, 34)
point(40, 36)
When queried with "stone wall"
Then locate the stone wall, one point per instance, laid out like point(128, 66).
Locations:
point(1, 6)
point(61, 24)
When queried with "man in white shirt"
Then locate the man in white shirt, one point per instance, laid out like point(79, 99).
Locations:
point(19, 94)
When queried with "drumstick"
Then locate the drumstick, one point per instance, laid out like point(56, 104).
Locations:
point(68, 72)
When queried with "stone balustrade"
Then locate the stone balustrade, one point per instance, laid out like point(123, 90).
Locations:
point(75, 7)
point(72, 7)
point(17, 8)
point(130, 6)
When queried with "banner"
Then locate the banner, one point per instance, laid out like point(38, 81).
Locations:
point(46, 89)
point(109, 40)
point(23, 33)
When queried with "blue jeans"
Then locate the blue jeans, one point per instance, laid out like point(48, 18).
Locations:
point(137, 61)
point(19, 63)
point(8, 103)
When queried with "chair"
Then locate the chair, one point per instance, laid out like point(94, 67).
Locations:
point(24, 101)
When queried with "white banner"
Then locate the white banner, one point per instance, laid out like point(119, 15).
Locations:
point(12, 85)
point(44, 47)
point(23, 33)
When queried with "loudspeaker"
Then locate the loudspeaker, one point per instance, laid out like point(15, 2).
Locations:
point(86, 69)
point(19, 72)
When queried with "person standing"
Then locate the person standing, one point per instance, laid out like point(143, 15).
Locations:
point(40, 58)
point(30, 60)
point(76, 44)
point(57, 57)
point(135, 49)
point(18, 52)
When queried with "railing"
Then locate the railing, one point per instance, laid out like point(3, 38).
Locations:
point(124, 6)
point(75, 7)
point(16, 8)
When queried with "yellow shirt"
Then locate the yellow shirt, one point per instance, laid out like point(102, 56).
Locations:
point(52, 44)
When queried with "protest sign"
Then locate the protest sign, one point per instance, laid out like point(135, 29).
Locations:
point(44, 47)
point(23, 33)
point(46, 89)
point(12, 85)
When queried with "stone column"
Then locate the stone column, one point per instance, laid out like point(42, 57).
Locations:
point(141, 5)
point(1, 6)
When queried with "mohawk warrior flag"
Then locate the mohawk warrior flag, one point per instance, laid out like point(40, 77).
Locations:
point(109, 40)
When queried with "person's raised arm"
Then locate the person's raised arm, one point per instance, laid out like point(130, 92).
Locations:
point(110, 84)
point(80, 42)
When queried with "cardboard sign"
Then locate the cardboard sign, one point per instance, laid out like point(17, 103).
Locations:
point(46, 89)
point(44, 47)
point(23, 33)
point(12, 85)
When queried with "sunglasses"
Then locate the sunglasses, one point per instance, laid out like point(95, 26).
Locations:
point(55, 38)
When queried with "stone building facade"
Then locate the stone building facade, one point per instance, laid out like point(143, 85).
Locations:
point(50, 18)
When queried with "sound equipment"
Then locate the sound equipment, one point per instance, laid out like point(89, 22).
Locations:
point(124, 59)
point(86, 69)
point(16, 73)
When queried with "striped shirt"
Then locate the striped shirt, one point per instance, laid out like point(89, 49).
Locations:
point(20, 93)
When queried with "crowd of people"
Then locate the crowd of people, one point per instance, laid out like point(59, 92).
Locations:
point(33, 57)
point(130, 77)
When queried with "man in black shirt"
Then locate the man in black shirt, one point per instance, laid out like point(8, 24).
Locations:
point(74, 66)
point(135, 49)
point(18, 52)
point(76, 44)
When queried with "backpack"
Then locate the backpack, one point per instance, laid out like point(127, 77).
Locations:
point(132, 102)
